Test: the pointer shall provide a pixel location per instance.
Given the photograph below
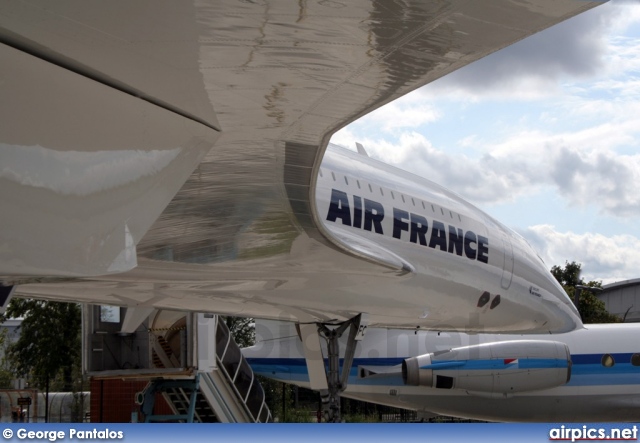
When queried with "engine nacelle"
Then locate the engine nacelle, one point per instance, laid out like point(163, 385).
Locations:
point(492, 369)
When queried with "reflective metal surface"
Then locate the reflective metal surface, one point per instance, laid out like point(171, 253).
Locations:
point(84, 169)
point(277, 79)
point(422, 225)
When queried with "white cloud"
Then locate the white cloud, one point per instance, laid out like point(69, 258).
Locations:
point(533, 68)
point(582, 166)
point(610, 181)
point(410, 111)
point(346, 138)
point(398, 115)
point(486, 180)
point(603, 258)
point(628, 14)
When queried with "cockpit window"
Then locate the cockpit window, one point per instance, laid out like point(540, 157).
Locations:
point(635, 359)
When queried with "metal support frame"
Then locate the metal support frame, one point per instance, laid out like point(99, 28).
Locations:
point(336, 380)
point(155, 386)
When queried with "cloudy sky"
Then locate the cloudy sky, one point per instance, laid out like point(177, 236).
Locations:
point(543, 135)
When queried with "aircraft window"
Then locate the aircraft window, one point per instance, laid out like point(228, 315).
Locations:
point(635, 359)
point(451, 214)
point(442, 210)
point(393, 196)
point(110, 314)
point(381, 193)
point(320, 170)
point(608, 361)
point(346, 181)
point(423, 206)
point(358, 183)
point(459, 218)
point(484, 299)
point(370, 189)
point(413, 201)
point(333, 175)
point(402, 198)
point(433, 209)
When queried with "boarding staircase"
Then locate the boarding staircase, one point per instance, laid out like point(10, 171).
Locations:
point(228, 392)
point(191, 361)
point(180, 399)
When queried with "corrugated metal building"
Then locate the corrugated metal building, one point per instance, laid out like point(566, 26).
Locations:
point(623, 299)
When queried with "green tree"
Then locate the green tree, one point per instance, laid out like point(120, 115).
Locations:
point(569, 276)
point(6, 370)
point(49, 345)
point(591, 308)
point(242, 329)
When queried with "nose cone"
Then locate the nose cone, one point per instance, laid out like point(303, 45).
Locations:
point(540, 284)
point(562, 295)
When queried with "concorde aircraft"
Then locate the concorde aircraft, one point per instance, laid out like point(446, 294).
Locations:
point(591, 374)
point(168, 155)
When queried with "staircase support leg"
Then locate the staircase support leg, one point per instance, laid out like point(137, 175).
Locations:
point(192, 399)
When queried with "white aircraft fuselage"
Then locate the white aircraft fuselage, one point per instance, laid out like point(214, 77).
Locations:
point(403, 250)
point(598, 379)
point(463, 267)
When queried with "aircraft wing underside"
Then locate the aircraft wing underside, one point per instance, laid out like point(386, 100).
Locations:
point(165, 153)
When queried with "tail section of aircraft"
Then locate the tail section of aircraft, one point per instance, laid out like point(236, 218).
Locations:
point(592, 374)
